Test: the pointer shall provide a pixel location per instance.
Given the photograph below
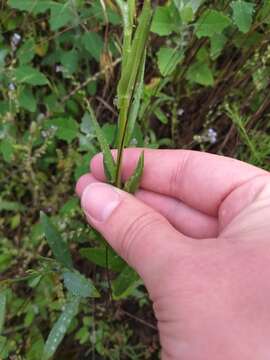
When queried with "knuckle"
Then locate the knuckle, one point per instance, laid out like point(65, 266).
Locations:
point(176, 177)
point(136, 231)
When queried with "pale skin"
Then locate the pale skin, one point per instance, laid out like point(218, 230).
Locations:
point(198, 233)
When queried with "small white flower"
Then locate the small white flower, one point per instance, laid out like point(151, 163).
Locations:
point(134, 142)
point(59, 68)
point(11, 86)
point(44, 133)
point(212, 135)
point(15, 40)
point(180, 112)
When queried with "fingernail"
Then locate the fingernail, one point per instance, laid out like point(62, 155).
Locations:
point(99, 201)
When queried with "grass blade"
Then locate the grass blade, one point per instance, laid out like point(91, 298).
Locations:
point(3, 299)
point(133, 182)
point(129, 79)
point(58, 246)
point(109, 164)
point(135, 106)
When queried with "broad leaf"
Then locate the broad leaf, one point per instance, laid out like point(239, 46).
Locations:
point(61, 15)
point(7, 150)
point(242, 14)
point(125, 283)
point(60, 328)
point(98, 257)
point(27, 100)
point(57, 244)
point(162, 21)
point(133, 182)
point(78, 285)
point(93, 43)
point(29, 75)
point(66, 128)
point(212, 22)
point(218, 42)
point(33, 6)
point(201, 74)
point(168, 59)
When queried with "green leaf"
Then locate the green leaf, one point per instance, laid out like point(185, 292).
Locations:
point(98, 257)
point(131, 76)
point(162, 23)
point(61, 15)
point(212, 22)
point(26, 52)
point(168, 59)
point(161, 116)
point(78, 285)
point(125, 283)
point(57, 244)
point(6, 205)
point(218, 42)
point(135, 106)
point(187, 14)
point(93, 43)
point(7, 150)
point(133, 182)
point(201, 74)
point(194, 4)
point(242, 14)
point(60, 328)
point(3, 299)
point(29, 75)
point(109, 131)
point(66, 128)
point(35, 7)
point(69, 60)
point(27, 100)
point(263, 14)
point(109, 164)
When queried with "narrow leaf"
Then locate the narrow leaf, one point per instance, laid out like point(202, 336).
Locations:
point(60, 328)
point(133, 182)
point(125, 283)
point(129, 79)
point(98, 257)
point(3, 300)
point(79, 285)
point(57, 244)
point(109, 164)
point(135, 106)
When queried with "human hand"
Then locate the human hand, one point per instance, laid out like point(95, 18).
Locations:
point(198, 233)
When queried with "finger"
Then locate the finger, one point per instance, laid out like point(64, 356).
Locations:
point(137, 233)
point(188, 221)
point(185, 219)
point(83, 182)
point(200, 180)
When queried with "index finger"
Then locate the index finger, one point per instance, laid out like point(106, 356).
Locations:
point(200, 180)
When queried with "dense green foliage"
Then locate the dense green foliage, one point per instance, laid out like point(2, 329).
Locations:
point(206, 87)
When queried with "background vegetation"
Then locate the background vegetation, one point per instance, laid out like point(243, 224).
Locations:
point(206, 88)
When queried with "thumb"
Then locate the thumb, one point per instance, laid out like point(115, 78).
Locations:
point(140, 235)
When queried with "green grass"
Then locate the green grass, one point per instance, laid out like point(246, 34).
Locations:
point(202, 85)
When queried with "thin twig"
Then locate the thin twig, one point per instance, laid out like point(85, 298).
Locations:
point(88, 80)
point(151, 326)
